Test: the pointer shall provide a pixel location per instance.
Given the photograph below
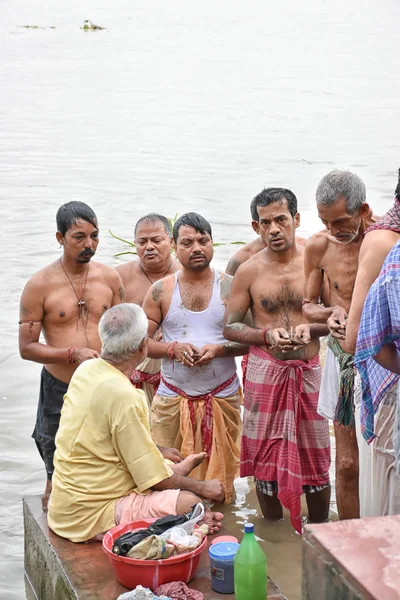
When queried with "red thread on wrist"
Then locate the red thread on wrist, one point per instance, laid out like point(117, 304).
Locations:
point(71, 354)
point(170, 350)
point(264, 333)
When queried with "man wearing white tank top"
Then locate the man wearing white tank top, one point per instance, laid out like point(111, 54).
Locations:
point(197, 406)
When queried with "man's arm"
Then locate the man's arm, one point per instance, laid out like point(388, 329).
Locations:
point(238, 304)
point(146, 463)
point(314, 283)
point(374, 249)
point(31, 316)
point(389, 358)
point(117, 288)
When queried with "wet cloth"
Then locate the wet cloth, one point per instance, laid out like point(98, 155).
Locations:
point(329, 390)
point(147, 377)
point(379, 325)
point(104, 451)
point(177, 590)
point(379, 479)
point(284, 439)
point(177, 422)
point(199, 328)
point(344, 413)
point(51, 399)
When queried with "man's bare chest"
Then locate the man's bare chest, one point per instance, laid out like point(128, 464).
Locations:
point(340, 267)
point(64, 304)
point(196, 298)
point(279, 294)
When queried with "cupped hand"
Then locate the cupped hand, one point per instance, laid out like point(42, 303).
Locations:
point(337, 323)
point(186, 354)
point(208, 353)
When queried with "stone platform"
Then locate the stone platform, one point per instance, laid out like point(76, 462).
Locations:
point(56, 569)
point(357, 559)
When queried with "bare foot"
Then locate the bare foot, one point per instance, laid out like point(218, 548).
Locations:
point(188, 464)
point(46, 495)
point(213, 520)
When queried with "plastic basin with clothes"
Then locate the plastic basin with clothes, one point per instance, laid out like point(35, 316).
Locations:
point(150, 573)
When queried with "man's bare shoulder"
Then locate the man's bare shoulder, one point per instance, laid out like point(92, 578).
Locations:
point(108, 273)
point(318, 243)
point(378, 241)
point(244, 254)
point(163, 288)
point(128, 270)
point(253, 264)
point(45, 277)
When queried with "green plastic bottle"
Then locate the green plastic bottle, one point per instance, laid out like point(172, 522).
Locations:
point(250, 568)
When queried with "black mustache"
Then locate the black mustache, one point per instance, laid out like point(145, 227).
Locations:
point(86, 252)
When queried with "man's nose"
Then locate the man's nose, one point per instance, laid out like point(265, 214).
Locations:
point(274, 229)
point(150, 245)
point(89, 243)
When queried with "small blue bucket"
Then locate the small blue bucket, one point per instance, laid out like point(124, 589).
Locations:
point(221, 559)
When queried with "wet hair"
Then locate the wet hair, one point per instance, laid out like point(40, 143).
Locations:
point(122, 329)
point(271, 196)
point(342, 184)
point(397, 190)
point(155, 218)
point(192, 219)
point(71, 212)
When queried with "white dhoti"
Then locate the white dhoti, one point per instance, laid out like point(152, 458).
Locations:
point(379, 479)
point(329, 390)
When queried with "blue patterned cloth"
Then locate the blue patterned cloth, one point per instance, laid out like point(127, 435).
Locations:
point(380, 325)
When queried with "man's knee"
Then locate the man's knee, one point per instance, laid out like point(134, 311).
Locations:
point(347, 467)
point(185, 502)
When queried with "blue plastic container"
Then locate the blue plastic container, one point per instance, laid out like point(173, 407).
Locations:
point(221, 559)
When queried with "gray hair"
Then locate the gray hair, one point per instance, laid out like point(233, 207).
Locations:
point(122, 329)
point(342, 184)
point(155, 218)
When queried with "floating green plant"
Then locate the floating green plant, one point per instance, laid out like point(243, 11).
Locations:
point(90, 26)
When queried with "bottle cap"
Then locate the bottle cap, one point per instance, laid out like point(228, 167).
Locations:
point(248, 528)
point(223, 550)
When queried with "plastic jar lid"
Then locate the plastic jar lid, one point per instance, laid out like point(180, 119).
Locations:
point(224, 538)
point(223, 550)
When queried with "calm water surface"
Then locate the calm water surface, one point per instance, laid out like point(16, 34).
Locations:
point(175, 107)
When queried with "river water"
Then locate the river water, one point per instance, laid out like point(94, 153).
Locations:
point(175, 107)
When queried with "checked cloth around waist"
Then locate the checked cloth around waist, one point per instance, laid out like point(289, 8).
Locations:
point(207, 421)
point(139, 377)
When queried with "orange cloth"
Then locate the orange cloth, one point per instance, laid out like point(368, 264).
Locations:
point(171, 426)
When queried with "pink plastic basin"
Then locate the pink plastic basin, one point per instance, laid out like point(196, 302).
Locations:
point(149, 573)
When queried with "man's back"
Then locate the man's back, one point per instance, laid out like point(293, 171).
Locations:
point(103, 440)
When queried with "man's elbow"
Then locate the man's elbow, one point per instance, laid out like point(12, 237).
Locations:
point(228, 333)
point(24, 352)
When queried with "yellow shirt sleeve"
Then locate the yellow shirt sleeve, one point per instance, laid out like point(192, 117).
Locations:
point(133, 444)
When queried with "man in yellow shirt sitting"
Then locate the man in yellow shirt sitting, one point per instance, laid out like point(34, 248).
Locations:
point(108, 471)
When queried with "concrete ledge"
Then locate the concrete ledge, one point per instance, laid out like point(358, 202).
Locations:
point(352, 560)
point(56, 569)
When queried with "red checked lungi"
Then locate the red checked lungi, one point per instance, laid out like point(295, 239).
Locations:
point(284, 439)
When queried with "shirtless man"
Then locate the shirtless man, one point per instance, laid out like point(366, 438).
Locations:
point(65, 301)
point(197, 406)
point(153, 240)
point(334, 254)
point(283, 373)
point(253, 247)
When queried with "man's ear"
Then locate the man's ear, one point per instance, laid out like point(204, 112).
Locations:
point(364, 210)
point(256, 226)
point(144, 346)
point(297, 220)
point(60, 238)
